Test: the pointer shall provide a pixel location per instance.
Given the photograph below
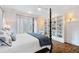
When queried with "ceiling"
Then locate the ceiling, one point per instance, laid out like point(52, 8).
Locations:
point(32, 9)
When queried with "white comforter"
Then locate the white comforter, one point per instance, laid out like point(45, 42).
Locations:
point(24, 43)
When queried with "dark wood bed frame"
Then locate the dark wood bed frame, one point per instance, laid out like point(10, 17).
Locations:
point(50, 31)
point(44, 50)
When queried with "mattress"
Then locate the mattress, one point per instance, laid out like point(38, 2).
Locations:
point(24, 43)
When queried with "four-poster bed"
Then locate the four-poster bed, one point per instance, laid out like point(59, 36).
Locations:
point(30, 43)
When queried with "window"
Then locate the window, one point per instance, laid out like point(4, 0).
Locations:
point(24, 24)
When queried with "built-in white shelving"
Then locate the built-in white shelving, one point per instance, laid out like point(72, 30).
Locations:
point(58, 28)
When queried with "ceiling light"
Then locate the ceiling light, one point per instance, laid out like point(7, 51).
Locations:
point(39, 9)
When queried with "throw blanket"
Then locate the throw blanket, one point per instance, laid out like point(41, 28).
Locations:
point(43, 40)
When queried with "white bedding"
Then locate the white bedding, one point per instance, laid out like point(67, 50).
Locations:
point(24, 43)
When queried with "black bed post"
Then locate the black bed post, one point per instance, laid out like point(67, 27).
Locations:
point(50, 31)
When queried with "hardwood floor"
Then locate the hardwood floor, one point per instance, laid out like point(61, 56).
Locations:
point(58, 47)
point(70, 48)
point(64, 48)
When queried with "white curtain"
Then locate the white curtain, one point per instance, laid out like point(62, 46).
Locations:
point(24, 24)
point(1, 19)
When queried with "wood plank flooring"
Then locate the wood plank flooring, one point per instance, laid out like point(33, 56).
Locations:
point(64, 48)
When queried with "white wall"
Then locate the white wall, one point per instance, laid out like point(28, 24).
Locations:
point(71, 30)
point(72, 33)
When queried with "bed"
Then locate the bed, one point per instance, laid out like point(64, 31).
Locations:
point(25, 43)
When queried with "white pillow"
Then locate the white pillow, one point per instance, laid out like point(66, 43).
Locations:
point(1, 32)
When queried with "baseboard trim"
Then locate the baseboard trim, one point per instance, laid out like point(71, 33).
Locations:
point(58, 41)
